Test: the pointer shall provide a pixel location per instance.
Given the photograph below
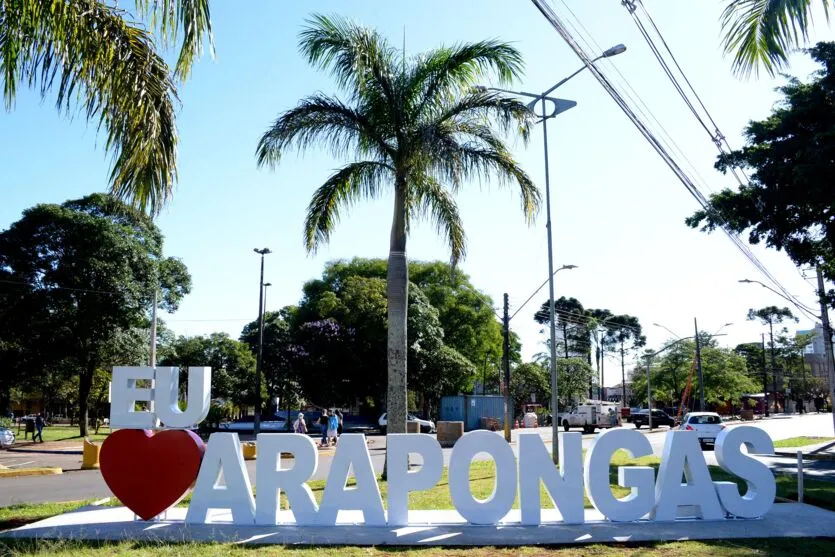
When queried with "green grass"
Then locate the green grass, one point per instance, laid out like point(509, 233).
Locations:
point(18, 515)
point(719, 548)
point(64, 433)
point(800, 442)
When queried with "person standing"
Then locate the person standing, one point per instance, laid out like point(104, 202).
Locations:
point(300, 426)
point(323, 426)
point(340, 427)
point(38, 428)
point(333, 427)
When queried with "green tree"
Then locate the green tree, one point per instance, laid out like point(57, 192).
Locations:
point(232, 363)
point(277, 363)
point(625, 333)
point(465, 313)
point(572, 323)
point(418, 128)
point(762, 33)
point(76, 275)
point(723, 369)
point(103, 65)
point(529, 379)
point(788, 201)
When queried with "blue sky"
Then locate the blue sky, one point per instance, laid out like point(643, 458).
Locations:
point(618, 211)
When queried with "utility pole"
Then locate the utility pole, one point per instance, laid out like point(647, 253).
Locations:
point(623, 374)
point(508, 405)
point(827, 343)
point(765, 374)
point(773, 366)
point(154, 331)
point(699, 368)
point(649, 391)
point(256, 424)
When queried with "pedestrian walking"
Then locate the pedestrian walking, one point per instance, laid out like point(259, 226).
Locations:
point(300, 426)
point(323, 426)
point(818, 404)
point(333, 427)
point(340, 427)
point(38, 428)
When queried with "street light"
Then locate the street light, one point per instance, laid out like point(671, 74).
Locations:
point(506, 347)
point(666, 329)
point(560, 106)
point(256, 422)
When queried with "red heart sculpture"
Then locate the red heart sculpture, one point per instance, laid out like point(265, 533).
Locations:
point(150, 472)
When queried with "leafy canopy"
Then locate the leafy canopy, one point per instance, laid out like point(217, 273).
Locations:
point(789, 202)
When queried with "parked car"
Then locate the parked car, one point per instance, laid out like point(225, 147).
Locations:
point(426, 426)
point(7, 438)
point(706, 424)
point(659, 418)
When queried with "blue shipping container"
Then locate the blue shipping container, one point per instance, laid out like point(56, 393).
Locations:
point(471, 408)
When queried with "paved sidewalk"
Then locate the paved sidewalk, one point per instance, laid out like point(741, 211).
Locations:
point(429, 528)
point(819, 451)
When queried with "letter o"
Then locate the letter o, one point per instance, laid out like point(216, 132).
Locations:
point(495, 507)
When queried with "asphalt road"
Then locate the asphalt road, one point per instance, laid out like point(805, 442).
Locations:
point(87, 484)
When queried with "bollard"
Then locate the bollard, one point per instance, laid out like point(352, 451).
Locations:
point(249, 450)
point(799, 476)
point(90, 455)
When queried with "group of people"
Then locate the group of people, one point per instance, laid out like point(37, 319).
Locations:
point(330, 424)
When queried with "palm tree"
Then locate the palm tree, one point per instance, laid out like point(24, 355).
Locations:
point(761, 33)
point(416, 126)
point(99, 62)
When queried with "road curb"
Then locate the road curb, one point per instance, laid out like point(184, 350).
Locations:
point(806, 456)
point(10, 473)
point(44, 451)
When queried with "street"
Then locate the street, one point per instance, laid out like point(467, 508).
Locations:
point(88, 484)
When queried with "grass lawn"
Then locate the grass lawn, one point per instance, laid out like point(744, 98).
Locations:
point(801, 441)
point(482, 477)
point(737, 548)
point(64, 433)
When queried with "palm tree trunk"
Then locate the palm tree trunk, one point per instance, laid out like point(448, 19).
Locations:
point(397, 288)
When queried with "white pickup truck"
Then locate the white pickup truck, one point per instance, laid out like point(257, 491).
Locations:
point(590, 415)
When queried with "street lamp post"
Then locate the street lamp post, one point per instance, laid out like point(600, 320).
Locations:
point(506, 348)
point(256, 423)
point(560, 106)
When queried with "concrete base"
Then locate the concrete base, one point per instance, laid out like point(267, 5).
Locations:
point(426, 528)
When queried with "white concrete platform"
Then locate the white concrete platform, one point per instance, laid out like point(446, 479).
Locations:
point(427, 528)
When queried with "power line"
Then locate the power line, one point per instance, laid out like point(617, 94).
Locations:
point(556, 22)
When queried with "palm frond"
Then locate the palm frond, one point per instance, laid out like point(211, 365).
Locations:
point(761, 33)
point(448, 71)
point(348, 185)
point(360, 59)
point(457, 161)
point(107, 67)
point(320, 120)
point(432, 200)
point(192, 18)
point(508, 113)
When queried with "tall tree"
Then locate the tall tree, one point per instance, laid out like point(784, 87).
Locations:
point(74, 276)
point(624, 331)
point(419, 129)
point(772, 315)
point(97, 60)
point(760, 34)
point(788, 202)
point(572, 323)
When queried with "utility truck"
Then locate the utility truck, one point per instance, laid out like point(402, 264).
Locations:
point(590, 415)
